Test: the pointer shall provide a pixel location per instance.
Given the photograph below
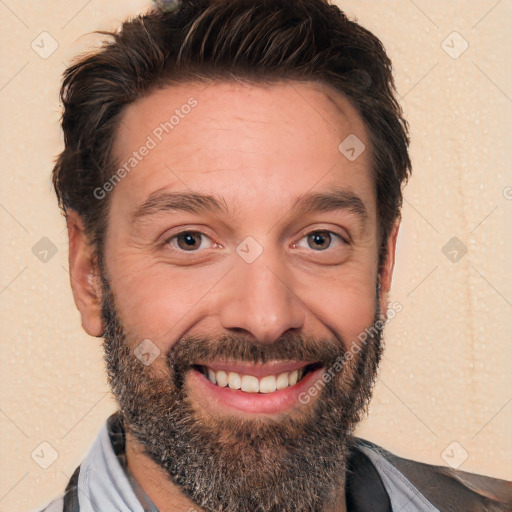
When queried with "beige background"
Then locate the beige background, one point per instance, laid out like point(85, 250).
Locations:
point(446, 376)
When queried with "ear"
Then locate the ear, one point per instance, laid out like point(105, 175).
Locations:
point(83, 272)
point(386, 273)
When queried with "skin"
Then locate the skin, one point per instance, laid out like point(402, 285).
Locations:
point(260, 147)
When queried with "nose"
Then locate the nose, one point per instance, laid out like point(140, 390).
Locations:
point(260, 300)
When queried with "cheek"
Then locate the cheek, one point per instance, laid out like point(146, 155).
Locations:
point(156, 301)
point(346, 302)
point(351, 315)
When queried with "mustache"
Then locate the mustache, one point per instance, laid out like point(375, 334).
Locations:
point(189, 350)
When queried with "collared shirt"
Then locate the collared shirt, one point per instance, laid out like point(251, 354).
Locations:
point(105, 483)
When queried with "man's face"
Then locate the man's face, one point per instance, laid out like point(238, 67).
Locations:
point(258, 286)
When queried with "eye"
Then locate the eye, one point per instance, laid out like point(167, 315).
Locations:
point(321, 240)
point(188, 241)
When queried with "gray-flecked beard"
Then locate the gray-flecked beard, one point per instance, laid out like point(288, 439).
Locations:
point(233, 464)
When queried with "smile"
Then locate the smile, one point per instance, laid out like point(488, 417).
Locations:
point(253, 384)
point(260, 389)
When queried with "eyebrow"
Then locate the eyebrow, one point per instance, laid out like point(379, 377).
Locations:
point(200, 203)
point(337, 199)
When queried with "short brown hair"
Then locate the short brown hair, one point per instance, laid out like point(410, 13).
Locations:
point(258, 40)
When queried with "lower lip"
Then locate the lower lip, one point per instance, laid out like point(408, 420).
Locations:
point(259, 403)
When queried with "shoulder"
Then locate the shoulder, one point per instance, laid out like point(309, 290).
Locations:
point(447, 488)
point(57, 505)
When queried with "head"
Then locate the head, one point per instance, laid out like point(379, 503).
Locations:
point(232, 179)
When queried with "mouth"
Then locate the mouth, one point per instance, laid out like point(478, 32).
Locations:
point(255, 380)
point(269, 388)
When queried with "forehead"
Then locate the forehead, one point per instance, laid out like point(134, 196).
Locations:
point(263, 141)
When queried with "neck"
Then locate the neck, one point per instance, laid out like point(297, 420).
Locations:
point(167, 497)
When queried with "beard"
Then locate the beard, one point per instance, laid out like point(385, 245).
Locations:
point(293, 461)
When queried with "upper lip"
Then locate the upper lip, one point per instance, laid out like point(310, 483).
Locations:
point(257, 370)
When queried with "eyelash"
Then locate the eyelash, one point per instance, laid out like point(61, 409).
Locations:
point(176, 235)
point(331, 233)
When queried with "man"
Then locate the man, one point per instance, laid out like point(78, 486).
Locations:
point(231, 180)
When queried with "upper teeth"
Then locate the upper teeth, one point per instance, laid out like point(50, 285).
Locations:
point(251, 384)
